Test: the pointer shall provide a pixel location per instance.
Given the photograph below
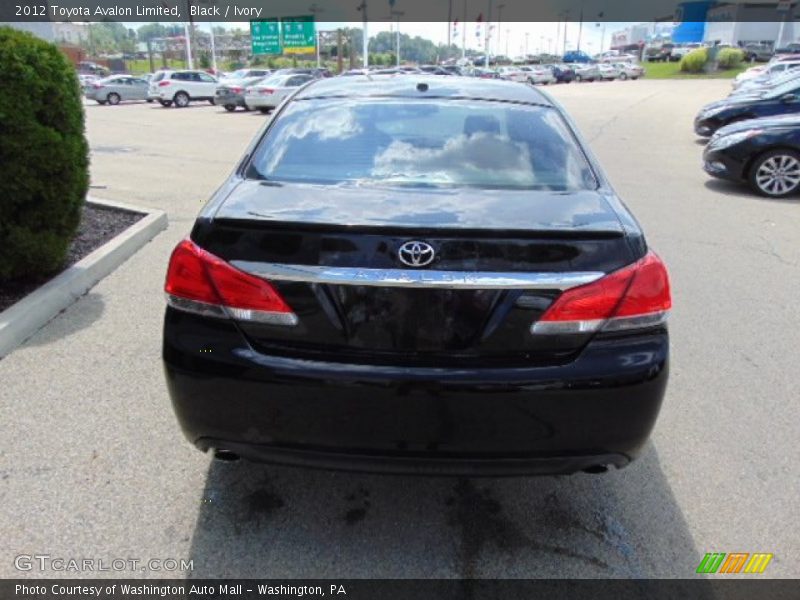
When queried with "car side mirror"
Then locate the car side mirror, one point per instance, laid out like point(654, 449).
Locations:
point(787, 98)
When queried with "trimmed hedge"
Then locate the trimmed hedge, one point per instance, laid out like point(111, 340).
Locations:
point(694, 61)
point(730, 58)
point(44, 157)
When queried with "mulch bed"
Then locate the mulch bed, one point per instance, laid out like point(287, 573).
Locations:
point(98, 225)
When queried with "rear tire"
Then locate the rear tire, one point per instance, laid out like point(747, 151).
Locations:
point(165, 103)
point(264, 111)
point(181, 100)
point(101, 102)
point(113, 99)
point(776, 174)
point(230, 107)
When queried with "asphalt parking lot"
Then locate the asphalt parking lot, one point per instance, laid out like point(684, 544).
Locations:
point(93, 464)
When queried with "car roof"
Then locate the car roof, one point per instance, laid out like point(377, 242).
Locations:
point(361, 86)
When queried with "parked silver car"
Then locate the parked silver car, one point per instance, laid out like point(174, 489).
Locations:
point(629, 70)
point(585, 71)
point(115, 89)
point(268, 93)
point(608, 72)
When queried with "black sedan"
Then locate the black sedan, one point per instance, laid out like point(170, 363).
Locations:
point(421, 273)
point(765, 153)
point(781, 100)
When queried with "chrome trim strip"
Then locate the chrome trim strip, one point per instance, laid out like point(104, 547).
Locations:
point(413, 278)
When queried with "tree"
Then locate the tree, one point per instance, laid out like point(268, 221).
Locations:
point(151, 31)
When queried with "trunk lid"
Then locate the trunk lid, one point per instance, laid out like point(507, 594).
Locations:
point(356, 300)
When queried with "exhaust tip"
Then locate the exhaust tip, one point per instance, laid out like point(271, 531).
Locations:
point(223, 455)
point(596, 469)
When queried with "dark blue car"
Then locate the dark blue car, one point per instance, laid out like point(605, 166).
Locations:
point(781, 100)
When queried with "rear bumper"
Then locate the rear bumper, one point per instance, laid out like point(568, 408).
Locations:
point(261, 101)
point(597, 410)
point(234, 99)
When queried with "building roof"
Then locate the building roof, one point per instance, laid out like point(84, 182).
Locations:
point(431, 86)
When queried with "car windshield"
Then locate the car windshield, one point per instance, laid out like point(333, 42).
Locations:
point(422, 143)
point(790, 87)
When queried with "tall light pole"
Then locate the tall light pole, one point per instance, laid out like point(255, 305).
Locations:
point(565, 14)
point(314, 10)
point(213, 49)
point(500, 8)
point(397, 14)
point(188, 46)
point(487, 36)
point(365, 42)
point(464, 32)
point(527, 33)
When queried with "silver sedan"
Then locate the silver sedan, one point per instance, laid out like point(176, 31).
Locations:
point(115, 89)
point(270, 92)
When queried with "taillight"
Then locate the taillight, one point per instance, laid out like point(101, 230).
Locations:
point(97, 86)
point(634, 297)
point(163, 83)
point(235, 90)
point(201, 283)
point(265, 91)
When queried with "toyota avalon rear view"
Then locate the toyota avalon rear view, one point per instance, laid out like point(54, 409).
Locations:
point(418, 274)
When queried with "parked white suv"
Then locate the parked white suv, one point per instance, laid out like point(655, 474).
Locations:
point(182, 87)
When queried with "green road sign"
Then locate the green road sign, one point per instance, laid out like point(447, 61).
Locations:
point(298, 35)
point(265, 36)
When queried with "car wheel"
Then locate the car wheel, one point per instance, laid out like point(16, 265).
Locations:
point(165, 103)
point(623, 76)
point(149, 100)
point(230, 107)
point(101, 102)
point(264, 111)
point(776, 174)
point(247, 108)
point(578, 78)
point(181, 100)
point(113, 99)
point(211, 102)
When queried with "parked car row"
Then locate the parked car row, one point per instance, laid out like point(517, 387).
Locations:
point(754, 135)
point(264, 89)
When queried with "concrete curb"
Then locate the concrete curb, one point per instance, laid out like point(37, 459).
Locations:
point(21, 320)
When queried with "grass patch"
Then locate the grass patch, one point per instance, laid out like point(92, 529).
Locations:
point(143, 66)
point(672, 70)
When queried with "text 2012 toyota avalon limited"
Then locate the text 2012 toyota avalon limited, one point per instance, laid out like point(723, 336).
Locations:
point(418, 274)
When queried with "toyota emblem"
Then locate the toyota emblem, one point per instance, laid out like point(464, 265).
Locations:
point(416, 254)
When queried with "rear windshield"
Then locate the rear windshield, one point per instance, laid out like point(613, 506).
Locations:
point(159, 76)
point(423, 143)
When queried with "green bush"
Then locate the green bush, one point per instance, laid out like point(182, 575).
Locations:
point(694, 61)
point(730, 58)
point(44, 157)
